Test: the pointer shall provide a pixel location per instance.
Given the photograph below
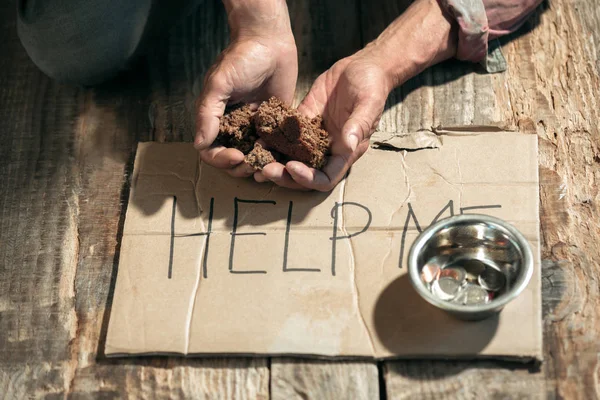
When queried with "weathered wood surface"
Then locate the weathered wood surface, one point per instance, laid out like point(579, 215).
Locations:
point(66, 152)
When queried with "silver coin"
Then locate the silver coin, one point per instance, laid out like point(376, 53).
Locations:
point(492, 279)
point(471, 295)
point(430, 272)
point(457, 273)
point(445, 288)
point(473, 268)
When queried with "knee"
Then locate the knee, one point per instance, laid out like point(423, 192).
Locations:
point(83, 42)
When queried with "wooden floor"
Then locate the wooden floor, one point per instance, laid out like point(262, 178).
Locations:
point(65, 155)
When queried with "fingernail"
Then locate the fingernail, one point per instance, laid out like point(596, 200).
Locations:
point(198, 143)
point(353, 141)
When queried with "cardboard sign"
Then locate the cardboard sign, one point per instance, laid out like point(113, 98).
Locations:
point(215, 265)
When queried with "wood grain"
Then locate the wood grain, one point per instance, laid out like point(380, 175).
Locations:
point(66, 153)
point(449, 94)
point(301, 379)
point(461, 380)
point(557, 91)
point(325, 32)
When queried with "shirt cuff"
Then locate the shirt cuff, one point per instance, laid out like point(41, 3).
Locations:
point(482, 20)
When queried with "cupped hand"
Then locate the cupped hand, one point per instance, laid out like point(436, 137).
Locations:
point(351, 97)
point(250, 70)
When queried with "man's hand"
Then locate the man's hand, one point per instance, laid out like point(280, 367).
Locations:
point(350, 96)
point(260, 62)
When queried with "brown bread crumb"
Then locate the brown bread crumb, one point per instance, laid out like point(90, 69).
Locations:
point(287, 134)
point(291, 133)
point(259, 157)
point(236, 129)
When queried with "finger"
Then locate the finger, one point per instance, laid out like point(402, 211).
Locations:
point(242, 170)
point(222, 157)
point(282, 84)
point(277, 173)
point(324, 180)
point(210, 109)
point(360, 125)
point(260, 177)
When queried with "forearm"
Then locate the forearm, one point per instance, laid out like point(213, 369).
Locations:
point(256, 17)
point(422, 36)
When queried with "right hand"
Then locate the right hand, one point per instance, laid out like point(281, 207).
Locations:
point(350, 96)
point(256, 65)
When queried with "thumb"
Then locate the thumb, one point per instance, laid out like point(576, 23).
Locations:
point(360, 125)
point(210, 109)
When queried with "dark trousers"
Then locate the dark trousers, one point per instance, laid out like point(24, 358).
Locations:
point(89, 41)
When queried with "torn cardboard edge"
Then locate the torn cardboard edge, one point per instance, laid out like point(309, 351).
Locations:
point(428, 138)
point(188, 314)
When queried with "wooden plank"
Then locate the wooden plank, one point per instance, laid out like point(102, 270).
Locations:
point(301, 379)
point(176, 68)
point(461, 380)
point(37, 232)
point(65, 160)
point(556, 89)
point(325, 32)
point(449, 94)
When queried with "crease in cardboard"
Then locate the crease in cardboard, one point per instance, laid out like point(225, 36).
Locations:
point(143, 326)
point(194, 295)
point(355, 291)
point(387, 255)
point(197, 185)
point(273, 186)
point(408, 191)
point(435, 172)
point(372, 228)
point(171, 173)
point(243, 215)
point(460, 179)
point(130, 331)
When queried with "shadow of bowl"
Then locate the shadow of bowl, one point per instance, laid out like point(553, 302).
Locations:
point(408, 326)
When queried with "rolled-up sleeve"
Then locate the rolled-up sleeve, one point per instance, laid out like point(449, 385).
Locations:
point(482, 20)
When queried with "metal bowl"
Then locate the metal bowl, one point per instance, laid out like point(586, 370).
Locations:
point(475, 243)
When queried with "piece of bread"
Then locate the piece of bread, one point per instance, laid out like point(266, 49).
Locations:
point(288, 135)
point(236, 129)
point(259, 157)
point(286, 130)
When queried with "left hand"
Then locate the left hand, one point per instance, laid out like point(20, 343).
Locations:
point(350, 96)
